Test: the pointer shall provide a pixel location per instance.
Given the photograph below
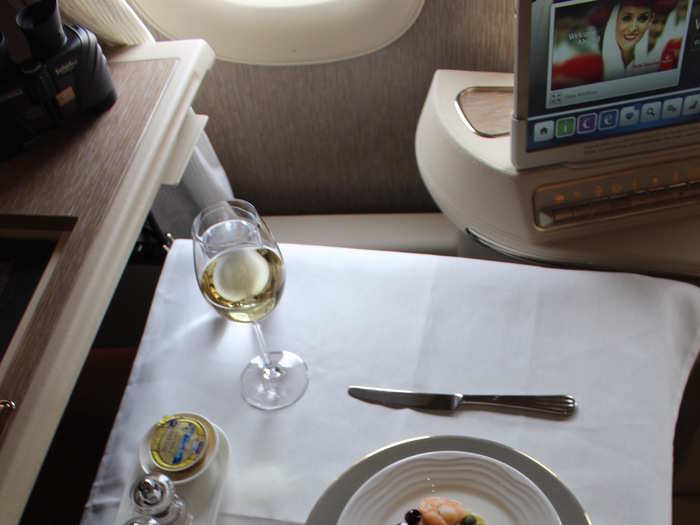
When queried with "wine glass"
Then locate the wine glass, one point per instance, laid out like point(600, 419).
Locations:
point(240, 272)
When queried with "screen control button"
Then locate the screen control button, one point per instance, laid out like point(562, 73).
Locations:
point(544, 131)
point(587, 123)
point(565, 127)
point(608, 119)
point(629, 116)
point(672, 108)
point(651, 112)
point(691, 105)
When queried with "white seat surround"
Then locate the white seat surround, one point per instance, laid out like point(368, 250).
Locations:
point(283, 32)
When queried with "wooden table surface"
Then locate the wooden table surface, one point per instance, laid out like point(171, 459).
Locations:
point(66, 186)
point(89, 187)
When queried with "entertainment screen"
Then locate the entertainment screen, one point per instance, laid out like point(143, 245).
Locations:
point(601, 68)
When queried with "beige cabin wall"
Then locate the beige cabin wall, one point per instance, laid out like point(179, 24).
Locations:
point(339, 137)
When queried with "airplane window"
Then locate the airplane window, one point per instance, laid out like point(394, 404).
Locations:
point(283, 32)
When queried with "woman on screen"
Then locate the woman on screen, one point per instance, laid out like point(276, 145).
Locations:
point(657, 28)
point(626, 39)
point(576, 56)
point(665, 48)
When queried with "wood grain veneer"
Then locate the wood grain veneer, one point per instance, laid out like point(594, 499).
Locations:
point(488, 110)
point(68, 183)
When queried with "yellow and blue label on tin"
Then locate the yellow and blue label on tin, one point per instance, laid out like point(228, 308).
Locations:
point(178, 442)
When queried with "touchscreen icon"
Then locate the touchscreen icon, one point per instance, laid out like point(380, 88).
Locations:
point(608, 119)
point(544, 131)
point(691, 105)
point(629, 116)
point(651, 111)
point(672, 108)
point(587, 123)
point(565, 127)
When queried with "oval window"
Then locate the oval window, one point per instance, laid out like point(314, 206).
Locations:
point(283, 32)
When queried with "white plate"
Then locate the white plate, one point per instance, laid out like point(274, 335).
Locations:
point(334, 499)
point(485, 486)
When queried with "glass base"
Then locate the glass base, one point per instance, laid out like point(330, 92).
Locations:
point(275, 386)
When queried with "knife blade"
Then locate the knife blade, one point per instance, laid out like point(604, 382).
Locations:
point(556, 405)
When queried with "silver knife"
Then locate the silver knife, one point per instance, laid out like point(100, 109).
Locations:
point(555, 405)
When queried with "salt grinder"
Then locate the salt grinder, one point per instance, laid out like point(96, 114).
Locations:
point(154, 498)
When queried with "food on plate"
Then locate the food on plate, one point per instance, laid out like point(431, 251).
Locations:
point(436, 510)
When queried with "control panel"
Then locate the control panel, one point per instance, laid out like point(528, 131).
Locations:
point(622, 193)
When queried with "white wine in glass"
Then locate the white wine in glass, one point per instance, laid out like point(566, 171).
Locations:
point(240, 271)
point(244, 284)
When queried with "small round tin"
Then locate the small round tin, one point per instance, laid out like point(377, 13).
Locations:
point(178, 442)
point(179, 445)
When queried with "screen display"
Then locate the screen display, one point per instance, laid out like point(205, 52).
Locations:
point(601, 68)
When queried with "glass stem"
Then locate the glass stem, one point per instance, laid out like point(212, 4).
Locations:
point(270, 372)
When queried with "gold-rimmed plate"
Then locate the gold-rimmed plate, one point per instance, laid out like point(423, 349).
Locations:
point(332, 502)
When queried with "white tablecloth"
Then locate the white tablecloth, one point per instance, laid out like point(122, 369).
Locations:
point(622, 344)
